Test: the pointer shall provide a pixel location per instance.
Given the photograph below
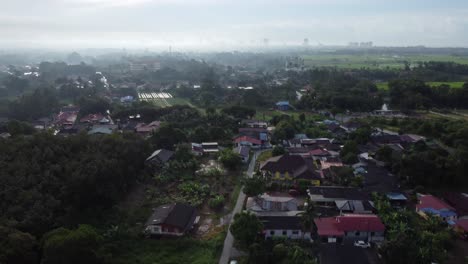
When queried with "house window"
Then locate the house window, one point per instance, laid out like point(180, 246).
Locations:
point(372, 233)
point(357, 233)
point(295, 232)
point(284, 232)
point(272, 232)
point(156, 229)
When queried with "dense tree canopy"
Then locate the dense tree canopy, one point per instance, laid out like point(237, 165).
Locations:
point(50, 181)
point(42, 102)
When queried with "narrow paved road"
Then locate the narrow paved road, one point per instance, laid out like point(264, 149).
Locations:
point(228, 248)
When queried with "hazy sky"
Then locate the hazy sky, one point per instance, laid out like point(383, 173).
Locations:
point(148, 23)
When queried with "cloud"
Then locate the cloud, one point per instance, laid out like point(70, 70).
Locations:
point(162, 22)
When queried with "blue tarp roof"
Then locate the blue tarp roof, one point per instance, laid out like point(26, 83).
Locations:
point(282, 103)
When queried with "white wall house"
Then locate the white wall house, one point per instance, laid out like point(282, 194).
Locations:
point(289, 227)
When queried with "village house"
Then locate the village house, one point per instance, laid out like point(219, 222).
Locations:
point(290, 168)
point(146, 129)
point(351, 126)
point(271, 202)
point(256, 133)
point(289, 227)
point(282, 105)
point(328, 195)
point(244, 153)
point(431, 205)
point(210, 147)
point(248, 141)
point(330, 162)
point(205, 148)
point(354, 206)
point(66, 117)
point(461, 227)
point(350, 227)
point(459, 201)
point(100, 130)
point(385, 138)
point(336, 130)
point(255, 124)
point(171, 220)
point(319, 154)
point(96, 119)
point(159, 158)
point(397, 200)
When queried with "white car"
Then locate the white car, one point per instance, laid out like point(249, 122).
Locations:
point(361, 244)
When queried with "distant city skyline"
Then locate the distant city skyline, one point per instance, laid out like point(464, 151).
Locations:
point(226, 23)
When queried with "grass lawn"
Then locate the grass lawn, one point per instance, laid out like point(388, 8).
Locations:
point(373, 61)
point(179, 101)
point(455, 85)
point(167, 251)
point(263, 157)
point(268, 114)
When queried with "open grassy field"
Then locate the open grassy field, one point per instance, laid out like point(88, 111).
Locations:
point(168, 251)
point(372, 61)
point(268, 114)
point(179, 101)
point(454, 85)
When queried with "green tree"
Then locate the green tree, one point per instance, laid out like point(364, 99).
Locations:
point(302, 117)
point(245, 229)
point(17, 247)
point(16, 128)
point(168, 136)
point(384, 154)
point(349, 152)
point(278, 151)
point(71, 246)
point(254, 186)
point(230, 159)
point(217, 202)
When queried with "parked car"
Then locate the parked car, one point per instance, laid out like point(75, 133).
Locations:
point(361, 244)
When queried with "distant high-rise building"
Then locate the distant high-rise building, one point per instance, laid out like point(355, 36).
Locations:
point(366, 44)
point(266, 41)
point(306, 42)
point(139, 65)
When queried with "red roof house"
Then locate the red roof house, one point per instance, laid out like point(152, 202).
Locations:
point(350, 226)
point(145, 129)
point(318, 152)
point(432, 205)
point(95, 118)
point(463, 224)
point(429, 201)
point(246, 140)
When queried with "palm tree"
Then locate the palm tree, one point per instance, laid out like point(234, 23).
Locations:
point(307, 216)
